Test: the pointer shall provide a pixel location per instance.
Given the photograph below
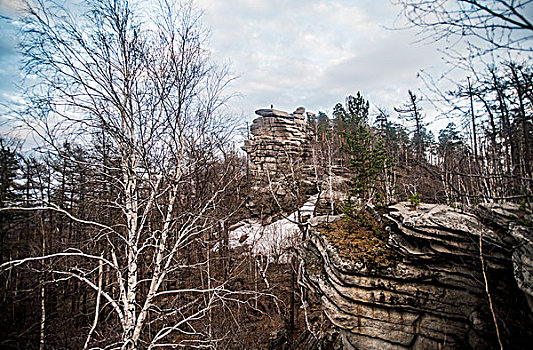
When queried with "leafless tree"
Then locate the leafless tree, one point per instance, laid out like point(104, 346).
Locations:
point(140, 76)
point(486, 25)
point(411, 111)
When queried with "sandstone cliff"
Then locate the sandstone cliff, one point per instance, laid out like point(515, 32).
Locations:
point(278, 141)
point(428, 290)
point(418, 284)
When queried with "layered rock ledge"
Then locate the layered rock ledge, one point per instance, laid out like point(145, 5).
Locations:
point(433, 295)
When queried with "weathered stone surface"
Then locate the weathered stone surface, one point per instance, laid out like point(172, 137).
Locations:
point(279, 138)
point(272, 113)
point(523, 260)
point(279, 149)
point(518, 222)
point(434, 296)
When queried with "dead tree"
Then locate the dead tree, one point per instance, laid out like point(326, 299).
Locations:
point(485, 25)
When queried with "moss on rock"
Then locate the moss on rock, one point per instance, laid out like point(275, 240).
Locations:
point(360, 239)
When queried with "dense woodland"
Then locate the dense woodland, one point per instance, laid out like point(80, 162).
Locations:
point(114, 230)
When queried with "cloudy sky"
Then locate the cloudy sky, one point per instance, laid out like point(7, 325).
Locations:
point(291, 53)
point(313, 53)
point(8, 54)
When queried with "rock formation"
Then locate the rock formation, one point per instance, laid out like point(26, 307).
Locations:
point(422, 283)
point(432, 295)
point(278, 153)
point(279, 140)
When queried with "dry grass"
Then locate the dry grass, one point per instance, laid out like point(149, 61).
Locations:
point(360, 239)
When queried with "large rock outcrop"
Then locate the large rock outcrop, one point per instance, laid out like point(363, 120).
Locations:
point(279, 141)
point(433, 294)
point(278, 157)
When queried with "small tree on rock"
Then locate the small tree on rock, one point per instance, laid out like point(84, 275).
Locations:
point(368, 156)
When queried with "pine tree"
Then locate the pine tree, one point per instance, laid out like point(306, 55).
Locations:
point(368, 155)
point(9, 165)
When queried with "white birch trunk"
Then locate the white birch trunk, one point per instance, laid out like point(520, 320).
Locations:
point(98, 297)
point(131, 207)
point(43, 295)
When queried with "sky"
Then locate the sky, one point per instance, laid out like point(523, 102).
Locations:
point(314, 53)
point(9, 58)
point(291, 53)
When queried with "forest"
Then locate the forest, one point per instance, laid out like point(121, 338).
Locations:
point(115, 228)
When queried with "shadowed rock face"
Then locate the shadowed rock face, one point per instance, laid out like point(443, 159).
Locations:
point(434, 296)
point(518, 224)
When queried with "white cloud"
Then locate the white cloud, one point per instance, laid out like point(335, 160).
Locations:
point(308, 53)
point(10, 5)
point(315, 52)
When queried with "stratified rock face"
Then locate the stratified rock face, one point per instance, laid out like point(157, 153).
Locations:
point(518, 223)
point(279, 154)
point(434, 297)
point(280, 141)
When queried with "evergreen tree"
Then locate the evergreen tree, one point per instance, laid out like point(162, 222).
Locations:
point(368, 156)
point(449, 138)
point(9, 165)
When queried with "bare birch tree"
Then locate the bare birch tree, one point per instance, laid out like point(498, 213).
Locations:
point(140, 76)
